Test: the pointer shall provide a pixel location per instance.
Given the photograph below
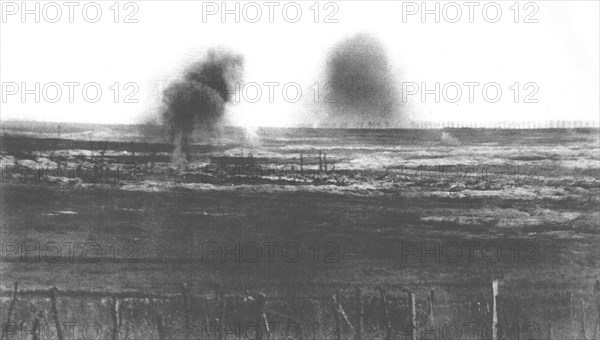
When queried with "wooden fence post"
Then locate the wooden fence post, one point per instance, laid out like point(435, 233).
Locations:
point(203, 305)
point(11, 307)
point(36, 327)
point(431, 302)
point(413, 315)
point(221, 323)
point(186, 309)
point(494, 310)
point(359, 315)
point(570, 302)
point(160, 325)
point(337, 317)
point(386, 313)
point(115, 318)
point(341, 312)
point(597, 302)
point(59, 332)
point(583, 331)
point(262, 315)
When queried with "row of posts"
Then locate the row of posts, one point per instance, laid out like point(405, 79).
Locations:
point(340, 316)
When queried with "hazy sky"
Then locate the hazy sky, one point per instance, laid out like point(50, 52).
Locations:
point(558, 56)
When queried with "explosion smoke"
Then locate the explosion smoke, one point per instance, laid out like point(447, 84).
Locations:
point(363, 83)
point(198, 101)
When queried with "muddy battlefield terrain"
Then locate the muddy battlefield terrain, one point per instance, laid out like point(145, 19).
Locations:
point(287, 226)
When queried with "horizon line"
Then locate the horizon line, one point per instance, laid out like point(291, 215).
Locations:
point(370, 125)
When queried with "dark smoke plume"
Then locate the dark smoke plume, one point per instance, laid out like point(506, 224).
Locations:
point(198, 101)
point(363, 83)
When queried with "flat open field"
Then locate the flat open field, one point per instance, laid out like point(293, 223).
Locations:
point(408, 210)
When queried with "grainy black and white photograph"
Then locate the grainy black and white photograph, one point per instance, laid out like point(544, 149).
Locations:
point(299, 170)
